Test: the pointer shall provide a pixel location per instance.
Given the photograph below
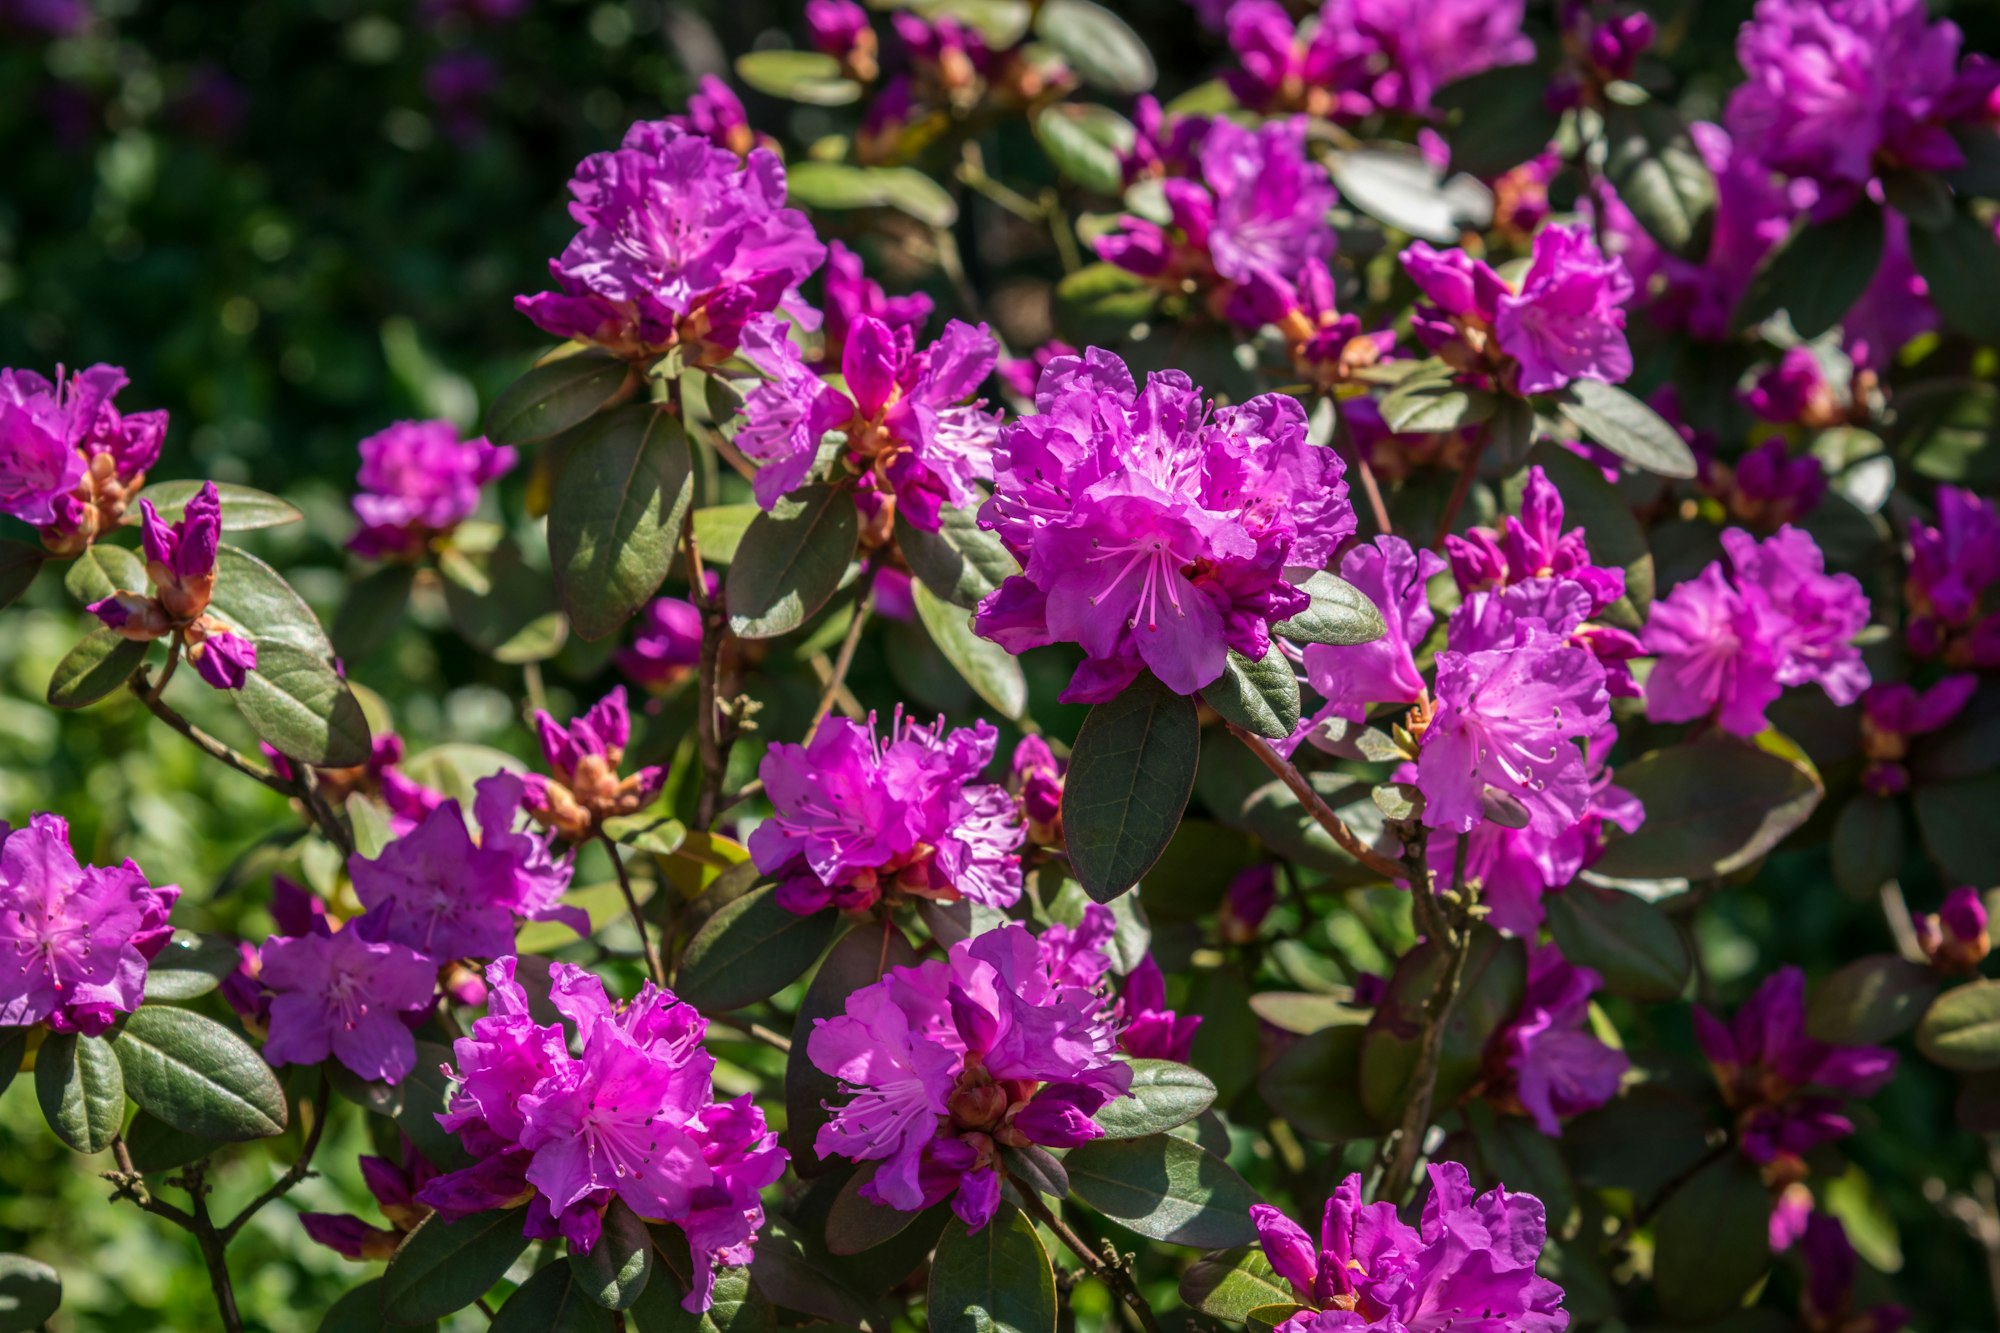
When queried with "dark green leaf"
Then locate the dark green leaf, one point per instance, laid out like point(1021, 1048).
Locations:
point(838, 186)
point(797, 1273)
point(798, 76)
point(100, 570)
point(960, 562)
point(503, 606)
point(1868, 845)
point(995, 1280)
point(554, 1301)
point(993, 672)
point(190, 965)
point(1642, 1142)
point(1429, 405)
point(1164, 1188)
point(1610, 530)
point(442, 1267)
point(1946, 428)
point(1164, 1093)
point(156, 1145)
point(198, 1076)
point(99, 664)
point(360, 1311)
point(1503, 119)
point(1712, 1240)
point(1229, 1284)
point(1961, 1029)
point(1496, 973)
point(749, 950)
point(1659, 174)
point(1633, 945)
point(19, 563)
point(1032, 1167)
point(1511, 432)
point(1956, 819)
point(615, 521)
point(858, 959)
point(1961, 264)
point(854, 1225)
point(13, 1049)
point(255, 600)
point(420, 1099)
point(372, 611)
point(81, 1090)
point(1627, 427)
point(1871, 1000)
point(1712, 807)
point(1097, 44)
point(297, 702)
point(1078, 150)
point(30, 1293)
point(1130, 774)
point(1340, 614)
point(1099, 304)
point(1816, 274)
point(1266, 1318)
point(1511, 1151)
point(1260, 697)
point(243, 507)
point(1315, 1085)
point(552, 397)
point(791, 561)
point(619, 1264)
point(736, 1306)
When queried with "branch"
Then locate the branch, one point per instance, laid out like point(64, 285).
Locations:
point(836, 680)
point(1112, 1271)
point(712, 745)
point(1460, 488)
point(653, 963)
point(299, 1169)
point(128, 1183)
point(1456, 940)
point(1316, 805)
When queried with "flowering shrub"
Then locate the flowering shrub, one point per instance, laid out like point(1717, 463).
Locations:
point(1276, 687)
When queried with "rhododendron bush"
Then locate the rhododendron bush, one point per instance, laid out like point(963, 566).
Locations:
point(1352, 686)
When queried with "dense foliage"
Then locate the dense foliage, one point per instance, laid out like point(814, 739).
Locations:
point(1075, 665)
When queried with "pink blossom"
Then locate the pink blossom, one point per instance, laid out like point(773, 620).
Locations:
point(55, 435)
point(1891, 714)
point(584, 787)
point(666, 647)
point(418, 482)
point(1954, 937)
point(1396, 54)
point(1148, 1030)
point(1548, 1062)
point(852, 295)
point(1567, 321)
point(1392, 575)
point(1953, 564)
point(339, 994)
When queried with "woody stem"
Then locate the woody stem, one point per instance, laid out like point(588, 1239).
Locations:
point(1316, 805)
point(836, 679)
point(1113, 1275)
point(1455, 938)
point(653, 962)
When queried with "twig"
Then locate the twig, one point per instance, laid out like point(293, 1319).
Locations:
point(1408, 1139)
point(1114, 1274)
point(299, 1169)
point(1344, 443)
point(757, 1032)
point(1897, 913)
point(653, 962)
point(711, 744)
point(175, 651)
point(1460, 488)
point(1316, 805)
point(836, 679)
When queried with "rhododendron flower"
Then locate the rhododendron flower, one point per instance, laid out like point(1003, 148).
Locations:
point(1827, 1301)
point(1148, 1030)
point(1154, 530)
point(632, 1115)
point(1894, 308)
point(1036, 776)
point(1783, 1086)
point(1021, 374)
point(1469, 1269)
point(75, 940)
point(1954, 937)
point(1545, 1061)
point(446, 896)
point(1251, 895)
point(418, 482)
point(395, 1189)
point(69, 459)
point(1397, 53)
point(1327, 345)
point(1891, 714)
point(858, 817)
point(666, 647)
point(1794, 389)
point(1770, 487)
point(1953, 563)
point(840, 28)
point(406, 799)
point(945, 1062)
point(1730, 646)
point(680, 241)
point(180, 563)
point(1350, 677)
point(337, 993)
point(716, 113)
point(583, 787)
point(912, 437)
point(852, 295)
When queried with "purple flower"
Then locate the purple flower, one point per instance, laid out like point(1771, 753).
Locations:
point(666, 647)
point(852, 295)
point(1395, 54)
point(1036, 775)
point(912, 437)
point(1246, 902)
point(69, 459)
point(342, 995)
point(1954, 937)
point(1544, 1060)
point(75, 940)
point(716, 113)
point(1784, 1086)
point(1894, 308)
point(1469, 1269)
point(1148, 1030)
point(945, 1062)
point(1891, 714)
point(584, 787)
point(1827, 1302)
point(1793, 390)
point(893, 598)
point(395, 1188)
point(1953, 563)
point(460, 84)
point(632, 1115)
point(1771, 487)
point(680, 241)
point(1567, 322)
point(1155, 530)
point(857, 818)
point(180, 564)
point(418, 482)
point(1392, 575)
point(1021, 374)
point(1731, 647)
point(838, 27)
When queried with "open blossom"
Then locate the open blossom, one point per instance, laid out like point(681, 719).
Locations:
point(418, 482)
point(69, 459)
point(1784, 1087)
point(1021, 374)
point(858, 817)
point(441, 893)
point(1397, 53)
point(1955, 937)
point(337, 993)
point(1953, 563)
point(852, 295)
point(1891, 714)
point(583, 787)
point(944, 1063)
point(1154, 530)
point(912, 437)
point(75, 940)
point(1351, 677)
point(631, 1115)
point(395, 1186)
point(680, 242)
point(180, 563)
point(1470, 1268)
point(1545, 1061)
point(1147, 1029)
point(716, 113)
point(1895, 306)
point(1730, 645)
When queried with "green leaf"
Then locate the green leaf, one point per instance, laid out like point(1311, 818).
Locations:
point(1099, 304)
point(30, 1293)
point(360, 1311)
point(836, 186)
point(1097, 44)
point(798, 76)
point(1946, 428)
point(1712, 1240)
point(255, 600)
point(1817, 273)
point(1632, 944)
point(1164, 1188)
point(243, 507)
point(13, 1049)
point(19, 564)
point(503, 606)
point(101, 570)
point(749, 950)
point(993, 672)
point(615, 521)
point(1315, 1085)
point(1230, 1284)
point(297, 702)
point(100, 662)
point(1427, 405)
point(1660, 175)
point(791, 560)
point(554, 396)
point(1164, 1094)
point(372, 611)
point(420, 1099)
point(1610, 530)
point(190, 965)
point(1496, 973)
point(1627, 427)
point(737, 1306)
point(1511, 1151)
point(442, 1267)
point(1080, 149)
point(1393, 184)
point(1956, 819)
point(857, 959)
point(961, 562)
point(854, 1225)
point(1261, 697)
point(1502, 119)
point(1870, 1001)
point(554, 1301)
point(1340, 614)
point(615, 1271)
point(719, 530)
point(1712, 807)
point(1130, 774)
point(198, 1076)
point(994, 1280)
point(1868, 844)
point(1961, 1029)
point(81, 1090)
point(1266, 1318)
point(156, 1145)
point(1961, 264)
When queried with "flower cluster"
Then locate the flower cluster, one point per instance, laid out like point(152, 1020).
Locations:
point(70, 461)
point(667, 645)
point(1954, 564)
point(681, 243)
point(859, 819)
point(406, 800)
point(395, 1186)
point(583, 787)
point(631, 1115)
point(946, 1063)
point(1036, 777)
point(180, 562)
point(1891, 714)
point(1545, 1062)
point(419, 480)
point(1155, 530)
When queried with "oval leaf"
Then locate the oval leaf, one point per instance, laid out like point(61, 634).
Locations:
point(1130, 774)
point(1660, 175)
point(98, 665)
point(615, 1271)
point(442, 1267)
point(1871, 1000)
point(82, 1091)
point(736, 1305)
point(1632, 944)
point(554, 1301)
point(1340, 614)
point(1502, 119)
point(1315, 1085)
point(298, 703)
point(103, 569)
point(1229, 1285)
point(994, 1280)
point(1711, 808)
point(1961, 1030)
point(1496, 974)
point(1627, 427)
point(1097, 44)
point(1961, 264)
point(838, 186)
point(1427, 405)
point(992, 672)
point(372, 611)
point(791, 560)
point(552, 397)
point(615, 521)
point(30, 1292)
point(798, 76)
point(243, 507)
point(1816, 274)
point(750, 950)
point(1164, 1188)
point(255, 600)
point(854, 1225)
point(961, 562)
point(1260, 697)
point(1077, 152)
point(198, 1076)
point(19, 564)
point(1163, 1095)
point(1099, 303)
point(1712, 1240)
